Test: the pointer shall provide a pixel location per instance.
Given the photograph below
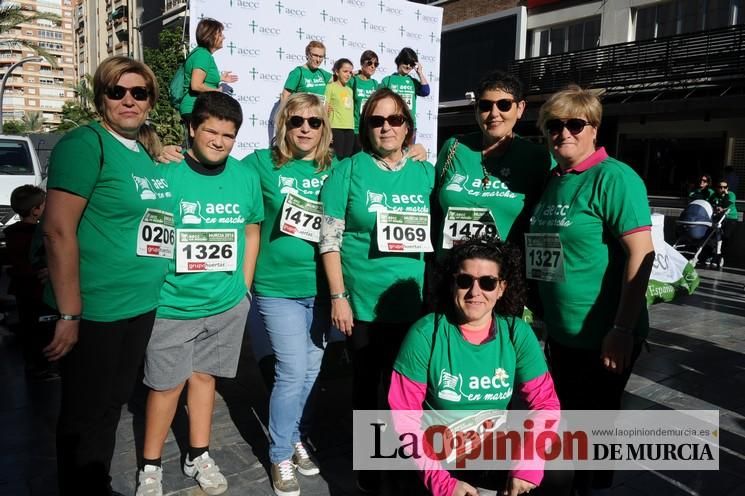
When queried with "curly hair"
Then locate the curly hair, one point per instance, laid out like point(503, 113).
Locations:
point(507, 257)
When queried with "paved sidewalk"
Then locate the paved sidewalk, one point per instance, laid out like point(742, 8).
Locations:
point(696, 361)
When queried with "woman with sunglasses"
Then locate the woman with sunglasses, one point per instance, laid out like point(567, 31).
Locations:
point(309, 77)
point(105, 196)
point(475, 333)
point(373, 240)
point(724, 203)
point(402, 83)
point(363, 85)
point(200, 69)
point(291, 295)
point(703, 191)
point(590, 251)
point(488, 181)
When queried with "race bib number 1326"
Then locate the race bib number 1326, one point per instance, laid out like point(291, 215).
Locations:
point(204, 250)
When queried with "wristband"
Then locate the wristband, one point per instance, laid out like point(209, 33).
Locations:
point(623, 330)
point(340, 296)
point(65, 316)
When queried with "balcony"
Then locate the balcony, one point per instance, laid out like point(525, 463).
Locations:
point(173, 4)
point(682, 64)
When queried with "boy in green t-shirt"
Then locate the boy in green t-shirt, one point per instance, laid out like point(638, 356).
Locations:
point(203, 303)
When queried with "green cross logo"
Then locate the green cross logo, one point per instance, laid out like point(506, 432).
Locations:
point(402, 30)
point(382, 47)
point(279, 7)
point(253, 26)
point(429, 115)
point(418, 13)
point(324, 14)
point(280, 52)
point(253, 120)
point(381, 5)
point(343, 40)
point(300, 33)
point(364, 22)
point(232, 45)
point(253, 73)
point(432, 37)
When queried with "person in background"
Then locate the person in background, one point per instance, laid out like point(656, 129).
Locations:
point(309, 77)
point(292, 303)
point(363, 85)
point(200, 69)
point(27, 275)
point(590, 250)
point(402, 83)
point(724, 203)
point(105, 274)
point(340, 104)
point(703, 191)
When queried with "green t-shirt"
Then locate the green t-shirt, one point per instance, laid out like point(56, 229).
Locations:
point(363, 89)
point(589, 211)
point(288, 266)
point(724, 201)
point(407, 87)
point(201, 59)
point(339, 98)
point(223, 201)
point(383, 286)
point(515, 182)
point(115, 283)
point(303, 80)
point(463, 376)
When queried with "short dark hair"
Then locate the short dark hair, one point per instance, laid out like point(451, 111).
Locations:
point(406, 56)
point(505, 255)
point(218, 105)
point(25, 198)
point(367, 110)
point(338, 64)
point(207, 31)
point(501, 80)
point(368, 55)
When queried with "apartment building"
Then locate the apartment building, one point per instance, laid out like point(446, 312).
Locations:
point(39, 86)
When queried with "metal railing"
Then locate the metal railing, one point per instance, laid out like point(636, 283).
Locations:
point(715, 57)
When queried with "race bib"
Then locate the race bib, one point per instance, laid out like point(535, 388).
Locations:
point(205, 250)
point(403, 232)
point(409, 99)
point(464, 223)
point(301, 218)
point(544, 257)
point(156, 234)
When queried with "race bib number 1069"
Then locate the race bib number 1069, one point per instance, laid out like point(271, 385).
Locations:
point(403, 232)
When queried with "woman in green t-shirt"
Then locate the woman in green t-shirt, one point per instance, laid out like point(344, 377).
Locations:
point(489, 181)
point(291, 296)
point(200, 69)
point(108, 239)
point(363, 85)
point(590, 251)
point(472, 354)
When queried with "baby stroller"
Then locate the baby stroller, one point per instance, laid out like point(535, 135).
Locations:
point(696, 227)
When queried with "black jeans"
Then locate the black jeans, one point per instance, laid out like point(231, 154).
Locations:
point(583, 383)
point(343, 143)
point(98, 377)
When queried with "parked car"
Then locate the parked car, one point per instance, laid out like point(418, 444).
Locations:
point(19, 165)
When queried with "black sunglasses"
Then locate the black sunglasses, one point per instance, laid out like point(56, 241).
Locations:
point(574, 126)
point(117, 92)
point(373, 63)
point(503, 104)
point(723, 186)
point(297, 121)
point(486, 283)
point(396, 120)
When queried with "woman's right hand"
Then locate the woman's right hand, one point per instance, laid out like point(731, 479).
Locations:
point(341, 315)
point(465, 489)
point(65, 337)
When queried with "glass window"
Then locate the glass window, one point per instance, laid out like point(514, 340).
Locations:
point(558, 38)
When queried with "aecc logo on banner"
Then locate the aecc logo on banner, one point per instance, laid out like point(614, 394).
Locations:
point(245, 52)
point(243, 4)
point(264, 76)
point(282, 9)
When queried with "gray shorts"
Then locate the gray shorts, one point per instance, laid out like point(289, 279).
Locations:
point(211, 345)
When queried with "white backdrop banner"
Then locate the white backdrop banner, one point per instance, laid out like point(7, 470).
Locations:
point(266, 39)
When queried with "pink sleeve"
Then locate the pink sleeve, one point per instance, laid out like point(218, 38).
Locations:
point(539, 394)
point(406, 394)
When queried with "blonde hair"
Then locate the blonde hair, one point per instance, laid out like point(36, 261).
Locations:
point(297, 103)
point(150, 140)
point(314, 44)
point(570, 103)
point(111, 70)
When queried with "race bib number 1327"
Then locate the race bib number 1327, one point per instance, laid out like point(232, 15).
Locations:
point(544, 257)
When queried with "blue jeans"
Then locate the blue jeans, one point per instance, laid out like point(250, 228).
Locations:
point(296, 329)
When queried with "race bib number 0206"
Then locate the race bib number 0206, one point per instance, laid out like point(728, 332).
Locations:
point(156, 234)
point(544, 257)
point(403, 232)
point(464, 223)
point(205, 250)
point(301, 218)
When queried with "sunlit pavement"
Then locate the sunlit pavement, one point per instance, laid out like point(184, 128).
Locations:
point(696, 361)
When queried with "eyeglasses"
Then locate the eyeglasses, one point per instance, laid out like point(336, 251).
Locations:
point(139, 93)
point(396, 120)
point(373, 63)
point(503, 104)
point(486, 283)
point(574, 126)
point(317, 56)
point(410, 65)
point(297, 121)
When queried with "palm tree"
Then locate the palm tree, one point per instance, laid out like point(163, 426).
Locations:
point(84, 91)
point(33, 121)
point(11, 17)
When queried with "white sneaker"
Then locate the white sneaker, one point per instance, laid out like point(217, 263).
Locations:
point(302, 461)
point(204, 470)
point(150, 481)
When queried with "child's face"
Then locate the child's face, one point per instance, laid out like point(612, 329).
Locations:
point(37, 211)
point(345, 73)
